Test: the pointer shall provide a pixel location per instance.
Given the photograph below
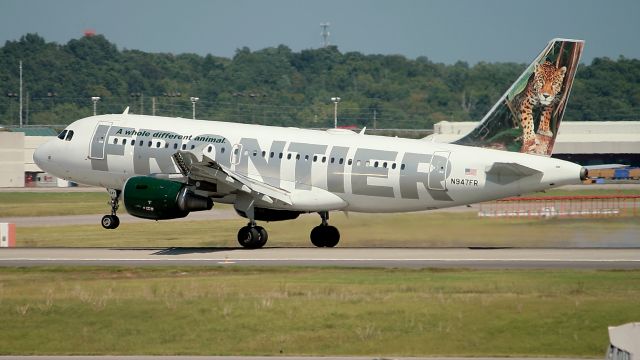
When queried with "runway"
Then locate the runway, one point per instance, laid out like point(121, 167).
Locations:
point(505, 258)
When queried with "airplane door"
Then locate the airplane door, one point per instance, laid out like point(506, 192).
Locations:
point(236, 153)
point(438, 173)
point(99, 140)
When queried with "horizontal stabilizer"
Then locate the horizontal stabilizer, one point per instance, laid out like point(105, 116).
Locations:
point(504, 173)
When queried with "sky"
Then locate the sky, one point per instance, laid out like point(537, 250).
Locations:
point(442, 30)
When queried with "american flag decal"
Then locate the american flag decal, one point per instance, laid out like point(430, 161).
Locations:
point(470, 172)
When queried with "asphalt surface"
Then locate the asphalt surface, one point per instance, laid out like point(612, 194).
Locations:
point(258, 358)
point(493, 258)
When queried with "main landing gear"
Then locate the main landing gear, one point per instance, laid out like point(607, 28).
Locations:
point(112, 221)
point(325, 235)
point(252, 236)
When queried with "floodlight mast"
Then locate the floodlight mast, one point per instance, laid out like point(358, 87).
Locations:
point(335, 100)
point(95, 100)
point(194, 100)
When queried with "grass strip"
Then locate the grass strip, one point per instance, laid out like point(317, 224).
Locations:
point(441, 229)
point(312, 311)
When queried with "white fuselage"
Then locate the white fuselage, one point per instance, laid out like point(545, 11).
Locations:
point(323, 170)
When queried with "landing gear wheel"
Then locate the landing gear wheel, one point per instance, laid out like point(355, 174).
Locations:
point(264, 236)
point(325, 236)
point(110, 221)
point(252, 237)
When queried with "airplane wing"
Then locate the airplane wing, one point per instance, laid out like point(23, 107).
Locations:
point(211, 171)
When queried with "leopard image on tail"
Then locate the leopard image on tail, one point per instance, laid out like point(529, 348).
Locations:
point(542, 90)
point(528, 115)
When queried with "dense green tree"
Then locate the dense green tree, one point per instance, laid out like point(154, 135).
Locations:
point(281, 87)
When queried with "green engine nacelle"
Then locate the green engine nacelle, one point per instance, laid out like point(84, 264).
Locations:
point(160, 199)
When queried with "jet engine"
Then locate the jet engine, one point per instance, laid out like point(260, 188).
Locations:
point(160, 199)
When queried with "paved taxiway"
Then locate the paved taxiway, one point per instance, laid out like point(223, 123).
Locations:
point(601, 258)
point(81, 357)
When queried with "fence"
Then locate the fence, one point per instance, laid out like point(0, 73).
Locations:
point(563, 206)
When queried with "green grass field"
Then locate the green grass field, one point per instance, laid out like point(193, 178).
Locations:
point(312, 311)
point(440, 229)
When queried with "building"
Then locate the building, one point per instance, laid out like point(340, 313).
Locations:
point(16, 158)
point(582, 142)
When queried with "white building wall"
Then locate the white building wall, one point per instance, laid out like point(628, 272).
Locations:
point(11, 159)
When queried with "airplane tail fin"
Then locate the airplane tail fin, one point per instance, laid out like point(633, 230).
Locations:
point(527, 117)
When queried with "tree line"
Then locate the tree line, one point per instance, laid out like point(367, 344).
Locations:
point(277, 86)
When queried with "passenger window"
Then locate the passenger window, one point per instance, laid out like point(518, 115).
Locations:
point(166, 145)
point(297, 156)
point(340, 161)
point(184, 146)
point(175, 146)
point(133, 142)
point(402, 167)
point(393, 166)
point(158, 144)
point(264, 153)
point(193, 147)
point(272, 154)
point(289, 156)
point(315, 158)
point(209, 148)
point(375, 164)
point(115, 140)
point(62, 135)
point(306, 158)
point(332, 160)
point(222, 151)
point(141, 142)
point(149, 143)
point(69, 135)
point(324, 159)
point(255, 152)
point(280, 156)
point(384, 165)
point(350, 161)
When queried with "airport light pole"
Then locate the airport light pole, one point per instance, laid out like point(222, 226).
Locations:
point(335, 100)
point(194, 100)
point(95, 100)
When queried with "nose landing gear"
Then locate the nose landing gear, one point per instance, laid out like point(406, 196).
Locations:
point(112, 221)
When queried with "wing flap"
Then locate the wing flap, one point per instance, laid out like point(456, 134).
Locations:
point(209, 170)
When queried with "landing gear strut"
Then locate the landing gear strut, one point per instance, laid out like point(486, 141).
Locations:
point(112, 221)
point(325, 235)
point(250, 236)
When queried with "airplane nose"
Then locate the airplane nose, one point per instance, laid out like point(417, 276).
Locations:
point(42, 156)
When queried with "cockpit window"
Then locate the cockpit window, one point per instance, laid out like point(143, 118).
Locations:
point(62, 135)
point(69, 135)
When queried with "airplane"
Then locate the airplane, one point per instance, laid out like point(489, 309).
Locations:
point(165, 168)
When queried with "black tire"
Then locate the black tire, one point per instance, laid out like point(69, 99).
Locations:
point(249, 237)
point(317, 236)
point(264, 236)
point(107, 222)
point(331, 236)
point(116, 222)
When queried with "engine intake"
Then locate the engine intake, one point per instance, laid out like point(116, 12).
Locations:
point(160, 199)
